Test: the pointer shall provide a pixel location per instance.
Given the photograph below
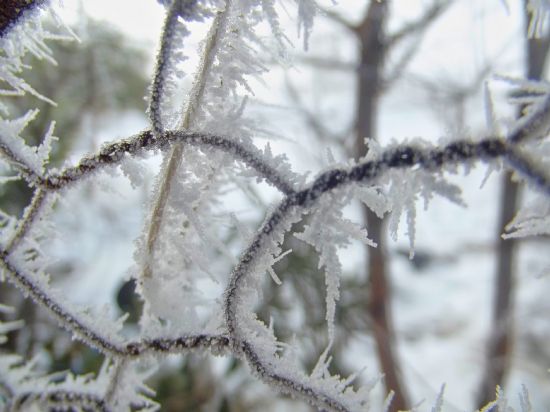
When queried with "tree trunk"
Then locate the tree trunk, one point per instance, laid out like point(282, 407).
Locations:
point(371, 35)
point(500, 341)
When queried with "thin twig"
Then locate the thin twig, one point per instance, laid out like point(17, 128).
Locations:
point(420, 25)
point(174, 157)
point(297, 204)
point(29, 215)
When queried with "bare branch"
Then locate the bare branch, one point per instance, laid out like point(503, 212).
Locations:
point(326, 63)
point(420, 25)
point(323, 134)
point(336, 18)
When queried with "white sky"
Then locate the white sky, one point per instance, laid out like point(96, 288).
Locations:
point(141, 19)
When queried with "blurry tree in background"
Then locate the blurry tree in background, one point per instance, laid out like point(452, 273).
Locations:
point(189, 211)
point(501, 335)
point(376, 77)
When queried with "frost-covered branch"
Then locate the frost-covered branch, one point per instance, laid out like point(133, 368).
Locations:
point(91, 335)
point(20, 164)
point(65, 316)
point(210, 135)
point(293, 206)
point(26, 222)
point(160, 83)
point(296, 203)
point(11, 12)
point(113, 154)
point(398, 157)
point(167, 58)
point(54, 399)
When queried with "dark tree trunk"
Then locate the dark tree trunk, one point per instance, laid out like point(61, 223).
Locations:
point(371, 36)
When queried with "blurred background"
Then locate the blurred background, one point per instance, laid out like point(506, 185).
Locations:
point(469, 310)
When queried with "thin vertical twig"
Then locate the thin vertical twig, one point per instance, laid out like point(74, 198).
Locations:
point(173, 161)
point(25, 223)
point(371, 32)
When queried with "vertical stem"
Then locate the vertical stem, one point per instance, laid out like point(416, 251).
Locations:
point(174, 157)
point(373, 49)
point(25, 223)
point(500, 341)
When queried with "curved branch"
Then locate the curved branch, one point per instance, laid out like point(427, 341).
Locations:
point(299, 202)
point(178, 8)
point(398, 157)
point(404, 156)
point(290, 385)
point(98, 340)
point(63, 315)
point(113, 154)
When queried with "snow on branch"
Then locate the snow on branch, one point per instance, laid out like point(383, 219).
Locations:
point(403, 156)
point(214, 131)
point(167, 58)
point(12, 14)
point(253, 261)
